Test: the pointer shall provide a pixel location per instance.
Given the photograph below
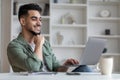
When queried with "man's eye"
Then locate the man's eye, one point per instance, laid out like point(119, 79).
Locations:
point(33, 18)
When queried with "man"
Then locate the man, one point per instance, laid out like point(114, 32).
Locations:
point(30, 51)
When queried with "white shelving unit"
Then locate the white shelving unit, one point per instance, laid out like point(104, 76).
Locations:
point(73, 34)
point(68, 26)
point(97, 24)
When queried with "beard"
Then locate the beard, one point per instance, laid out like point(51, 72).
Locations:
point(35, 33)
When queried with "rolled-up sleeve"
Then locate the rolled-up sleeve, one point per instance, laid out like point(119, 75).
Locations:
point(54, 62)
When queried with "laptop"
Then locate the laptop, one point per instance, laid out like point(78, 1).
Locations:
point(92, 53)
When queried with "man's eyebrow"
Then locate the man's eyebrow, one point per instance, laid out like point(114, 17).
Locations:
point(34, 17)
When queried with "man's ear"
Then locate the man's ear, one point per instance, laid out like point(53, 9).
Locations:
point(22, 21)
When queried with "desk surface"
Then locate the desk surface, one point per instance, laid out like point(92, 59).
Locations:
point(58, 76)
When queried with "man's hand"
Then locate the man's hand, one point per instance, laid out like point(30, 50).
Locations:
point(67, 63)
point(39, 41)
point(70, 62)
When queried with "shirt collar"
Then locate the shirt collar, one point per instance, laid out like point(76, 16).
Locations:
point(22, 40)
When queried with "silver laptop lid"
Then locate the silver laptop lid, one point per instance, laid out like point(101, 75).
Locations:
point(93, 51)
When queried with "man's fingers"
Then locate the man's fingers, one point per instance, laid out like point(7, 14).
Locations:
point(73, 61)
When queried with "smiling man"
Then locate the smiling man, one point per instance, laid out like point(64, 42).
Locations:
point(30, 51)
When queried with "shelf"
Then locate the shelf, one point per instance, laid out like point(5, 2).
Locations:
point(105, 19)
point(69, 26)
point(114, 3)
point(107, 36)
point(111, 54)
point(66, 5)
point(45, 17)
point(68, 46)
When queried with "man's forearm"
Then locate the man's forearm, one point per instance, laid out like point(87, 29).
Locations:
point(38, 52)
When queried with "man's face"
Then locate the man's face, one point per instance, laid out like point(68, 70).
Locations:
point(33, 22)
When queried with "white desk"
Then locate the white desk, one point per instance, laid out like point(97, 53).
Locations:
point(58, 76)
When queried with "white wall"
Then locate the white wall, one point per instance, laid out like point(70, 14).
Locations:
point(5, 33)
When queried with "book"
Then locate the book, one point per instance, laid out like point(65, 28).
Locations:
point(46, 9)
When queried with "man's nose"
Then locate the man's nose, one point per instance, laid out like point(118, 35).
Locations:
point(39, 23)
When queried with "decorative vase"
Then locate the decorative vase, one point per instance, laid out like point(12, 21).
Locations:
point(72, 1)
point(59, 38)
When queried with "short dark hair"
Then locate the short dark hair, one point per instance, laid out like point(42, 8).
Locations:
point(23, 10)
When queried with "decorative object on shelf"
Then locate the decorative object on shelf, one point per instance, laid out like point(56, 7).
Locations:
point(46, 9)
point(67, 19)
point(107, 32)
point(55, 1)
point(73, 1)
point(59, 38)
point(105, 13)
point(104, 50)
point(15, 7)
